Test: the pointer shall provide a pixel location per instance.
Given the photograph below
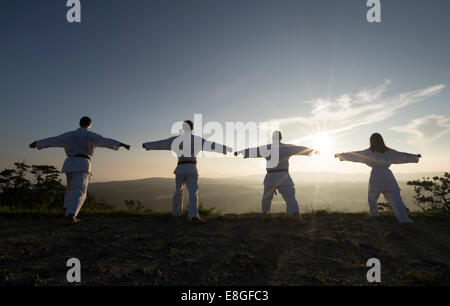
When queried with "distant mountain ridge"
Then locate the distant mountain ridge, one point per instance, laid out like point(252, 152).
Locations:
point(312, 177)
point(299, 176)
point(334, 191)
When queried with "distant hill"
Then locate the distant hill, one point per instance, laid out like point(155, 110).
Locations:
point(156, 193)
point(334, 191)
point(328, 177)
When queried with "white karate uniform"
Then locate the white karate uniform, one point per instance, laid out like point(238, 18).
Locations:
point(76, 191)
point(278, 177)
point(79, 146)
point(186, 171)
point(382, 179)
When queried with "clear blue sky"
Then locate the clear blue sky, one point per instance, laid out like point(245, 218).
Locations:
point(138, 66)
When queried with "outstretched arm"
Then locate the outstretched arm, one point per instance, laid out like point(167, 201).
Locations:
point(125, 146)
point(165, 144)
point(299, 150)
point(215, 147)
point(404, 158)
point(356, 157)
point(109, 143)
point(50, 142)
point(249, 153)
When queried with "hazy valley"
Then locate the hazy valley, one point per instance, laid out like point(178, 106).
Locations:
point(315, 191)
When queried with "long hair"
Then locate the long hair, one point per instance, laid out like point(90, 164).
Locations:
point(377, 143)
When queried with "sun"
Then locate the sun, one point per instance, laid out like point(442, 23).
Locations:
point(323, 143)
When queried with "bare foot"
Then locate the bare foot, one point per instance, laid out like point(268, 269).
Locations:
point(197, 220)
point(300, 219)
point(71, 219)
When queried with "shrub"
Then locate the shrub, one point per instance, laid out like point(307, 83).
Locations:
point(432, 194)
point(133, 205)
point(202, 211)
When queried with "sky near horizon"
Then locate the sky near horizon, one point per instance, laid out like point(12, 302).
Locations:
point(313, 67)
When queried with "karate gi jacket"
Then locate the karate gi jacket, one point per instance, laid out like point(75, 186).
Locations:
point(278, 175)
point(381, 177)
point(187, 158)
point(77, 143)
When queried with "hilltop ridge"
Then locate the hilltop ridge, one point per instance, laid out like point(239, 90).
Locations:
point(156, 249)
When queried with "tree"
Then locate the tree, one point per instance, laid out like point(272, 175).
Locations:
point(44, 190)
point(19, 177)
point(6, 181)
point(15, 187)
point(432, 194)
point(48, 191)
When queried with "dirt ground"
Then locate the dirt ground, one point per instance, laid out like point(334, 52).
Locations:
point(157, 249)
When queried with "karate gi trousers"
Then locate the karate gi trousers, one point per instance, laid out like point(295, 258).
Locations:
point(191, 181)
point(288, 194)
point(394, 198)
point(76, 192)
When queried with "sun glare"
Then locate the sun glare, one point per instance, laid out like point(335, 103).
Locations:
point(323, 143)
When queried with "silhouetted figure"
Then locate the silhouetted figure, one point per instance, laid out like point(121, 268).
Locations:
point(187, 146)
point(79, 146)
point(278, 177)
point(380, 158)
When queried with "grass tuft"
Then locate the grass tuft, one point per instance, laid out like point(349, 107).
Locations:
point(421, 277)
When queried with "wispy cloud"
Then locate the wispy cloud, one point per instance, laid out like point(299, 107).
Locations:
point(426, 129)
point(352, 110)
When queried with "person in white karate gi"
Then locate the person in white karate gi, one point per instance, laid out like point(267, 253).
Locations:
point(79, 146)
point(382, 180)
point(278, 177)
point(187, 146)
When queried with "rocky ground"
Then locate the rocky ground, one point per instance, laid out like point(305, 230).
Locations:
point(156, 249)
